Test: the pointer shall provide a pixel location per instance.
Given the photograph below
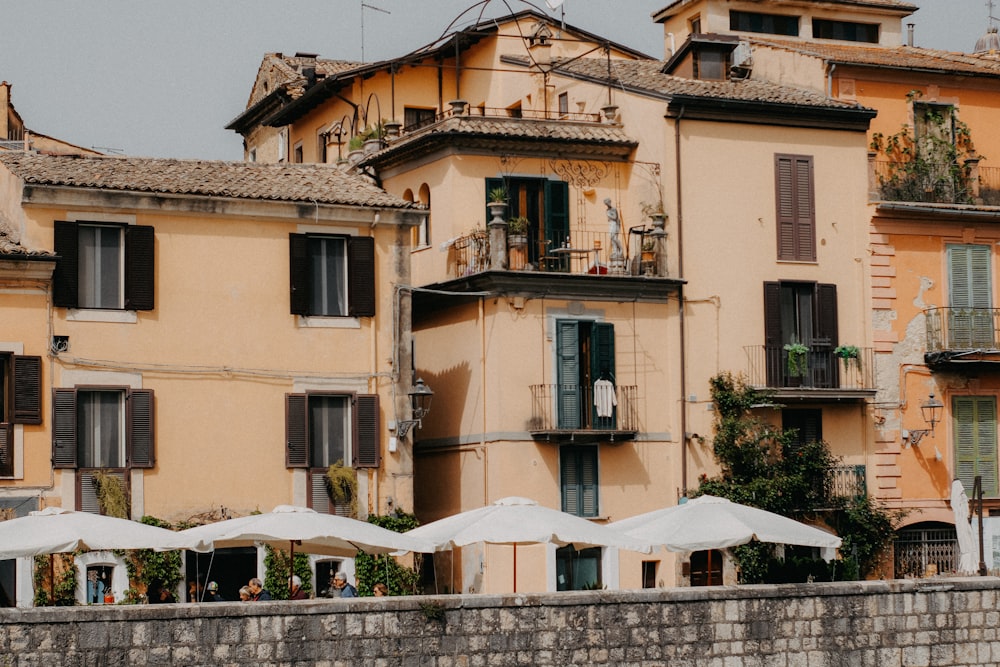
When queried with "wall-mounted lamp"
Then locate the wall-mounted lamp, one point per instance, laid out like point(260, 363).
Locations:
point(420, 403)
point(931, 412)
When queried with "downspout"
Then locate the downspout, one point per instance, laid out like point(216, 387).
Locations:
point(482, 370)
point(680, 300)
point(829, 79)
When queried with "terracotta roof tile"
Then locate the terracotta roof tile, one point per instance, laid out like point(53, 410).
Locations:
point(897, 57)
point(325, 184)
point(529, 129)
point(887, 4)
point(9, 245)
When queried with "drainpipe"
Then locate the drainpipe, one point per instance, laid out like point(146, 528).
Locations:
point(829, 79)
point(680, 300)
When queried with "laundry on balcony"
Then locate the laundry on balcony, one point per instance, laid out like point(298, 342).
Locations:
point(604, 398)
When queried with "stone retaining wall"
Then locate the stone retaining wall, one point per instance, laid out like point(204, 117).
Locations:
point(939, 622)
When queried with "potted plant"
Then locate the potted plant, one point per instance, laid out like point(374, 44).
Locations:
point(496, 201)
point(649, 250)
point(655, 212)
point(850, 354)
point(797, 359)
point(517, 241)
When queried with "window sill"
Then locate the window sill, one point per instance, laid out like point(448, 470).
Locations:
point(99, 315)
point(315, 322)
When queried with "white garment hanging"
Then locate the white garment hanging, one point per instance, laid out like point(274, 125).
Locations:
point(604, 398)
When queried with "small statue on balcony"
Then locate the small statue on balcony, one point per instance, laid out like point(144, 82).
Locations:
point(614, 229)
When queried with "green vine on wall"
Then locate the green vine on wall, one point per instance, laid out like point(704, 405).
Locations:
point(149, 571)
point(63, 589)
point(342, 484)
point(111, 495)
point(371, 570)
point(276, 565)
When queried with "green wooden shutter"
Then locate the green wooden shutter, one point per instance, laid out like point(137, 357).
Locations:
point(602, 365)
point(140, 452)
point(578, 479)
point(361, 276)
point(27, 390)
point(66, 277)
point(970, 317)
point(139, 273)
point(975, 436)
point(568, 394)
point(64, 428)
point(299, 278)
point(556, 212)
point(296, 431)
point(367, 445)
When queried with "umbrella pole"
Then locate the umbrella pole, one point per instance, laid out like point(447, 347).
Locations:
point(52, 579)
point(515, 567)
point(291, 565)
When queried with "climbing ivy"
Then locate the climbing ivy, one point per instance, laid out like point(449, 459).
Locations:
point(151, 571)
point(276, 564)
point(370, 570)
point(64, 586)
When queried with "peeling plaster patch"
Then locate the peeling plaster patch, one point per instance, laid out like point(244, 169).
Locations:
point(882, 319)
point(909, 351)
point(925, 284)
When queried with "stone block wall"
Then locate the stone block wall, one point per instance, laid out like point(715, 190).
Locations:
point(916, 623)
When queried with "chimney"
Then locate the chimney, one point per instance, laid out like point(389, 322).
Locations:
point(909, 33)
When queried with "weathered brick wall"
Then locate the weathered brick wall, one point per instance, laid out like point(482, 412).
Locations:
point(939, 622)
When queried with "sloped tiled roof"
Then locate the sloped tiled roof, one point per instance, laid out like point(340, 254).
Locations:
point(530, 129)
point(10, 247)
point(898, 57)
point(645, 76)
point(324, 184)
point(898, 5)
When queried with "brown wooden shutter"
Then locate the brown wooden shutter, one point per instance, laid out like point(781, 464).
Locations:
point(64, 428)
point(66, 277)
point(139, 267)
point(773, 348)
point(796, 219)
point(826, 315)
point(361, 276)
point(140, 451)
point(368, 445)
point(299, 278)
point(6, 450)
point(296, 431)
point(27, 390)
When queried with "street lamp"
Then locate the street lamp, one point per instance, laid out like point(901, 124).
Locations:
point(931, 412)
point(420, 404)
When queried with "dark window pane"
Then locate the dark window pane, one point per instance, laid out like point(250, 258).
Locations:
point(328, 260)
point(329, 423)
point(100, 429)
point(773, 24)
point(845, 30)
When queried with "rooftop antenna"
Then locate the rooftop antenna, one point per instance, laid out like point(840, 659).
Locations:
point(365, 5)
point(558, 4)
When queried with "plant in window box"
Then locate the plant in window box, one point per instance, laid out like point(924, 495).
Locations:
point(797, 359)
point(851, 354)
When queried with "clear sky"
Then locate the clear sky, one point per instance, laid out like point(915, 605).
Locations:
point(164, 77)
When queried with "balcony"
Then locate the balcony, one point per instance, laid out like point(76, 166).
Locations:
point(849, 482)
point(566, 413)
point(818, 372)
point(962, 335)
point(580, 253)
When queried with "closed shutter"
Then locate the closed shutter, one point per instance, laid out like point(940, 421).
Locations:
point(139, 420)
point(139, 269)
point(66, 277)
point(361, 276)
point(319, 495)
point(578, 478)
point(27, 390)
point(796, 218)
point(88, 499)
point(367, 445)
point(299, 279)
point(6, 450)
point(976, 442)
point(296, 431)
point(970, 320)
point(568, 374)
point(64, 428)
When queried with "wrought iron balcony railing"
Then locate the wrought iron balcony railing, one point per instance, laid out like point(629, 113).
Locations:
point(925, 181)
point(962, 329)
point(774, 367)
point(849, 481)
point(572, 408)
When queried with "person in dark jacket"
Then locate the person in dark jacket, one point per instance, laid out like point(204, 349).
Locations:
point(257, 591)
point(212, 593)
point(296, 592)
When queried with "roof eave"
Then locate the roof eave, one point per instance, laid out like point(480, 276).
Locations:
point(769, 113)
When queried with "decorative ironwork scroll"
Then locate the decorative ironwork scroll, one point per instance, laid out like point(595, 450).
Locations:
point(580, 173)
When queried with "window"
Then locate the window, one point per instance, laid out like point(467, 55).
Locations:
point(800, 314)
point(808, 425)
point(694, 25)
point(772, 24)
point(103, 266)
point(585, 354)
point(975, 424)
point(970, 299)
point(20, 402)
point(332, 276)
point(297, 153)
point(321, 138)
point(578, 480)
point(845, 30)
point(414, 118)
point(793, 175)
point(934, 128)
point(545, 203)
point(322, 429)
point(578, 570)
point(649, 573)
point(107, 429)
point(283, 145)
point(563, 104)
point(925, 548)
point(710, 64)
point(706, 568)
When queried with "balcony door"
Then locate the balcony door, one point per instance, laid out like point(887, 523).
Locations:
point(970, 297)
point(545, 203)
point(585, 355)
point(800, 314)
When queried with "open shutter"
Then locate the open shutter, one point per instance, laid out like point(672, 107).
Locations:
point(568, 394)
point(66, 277)
point(556, 212)
point(27, 390)
point(299, 279)
point(773, 350)
point(140, 451)
point(139, 274)
point(367, 445)
point(296, 431)
point(64, 428)
point(361, 276)
point(602, 365)
point(826, 316)
point(6, 450)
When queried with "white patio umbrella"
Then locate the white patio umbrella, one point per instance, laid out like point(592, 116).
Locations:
point(967, 563)
point(515, 520)
point(288, 526)
point(709, 522)
point(55, 530)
